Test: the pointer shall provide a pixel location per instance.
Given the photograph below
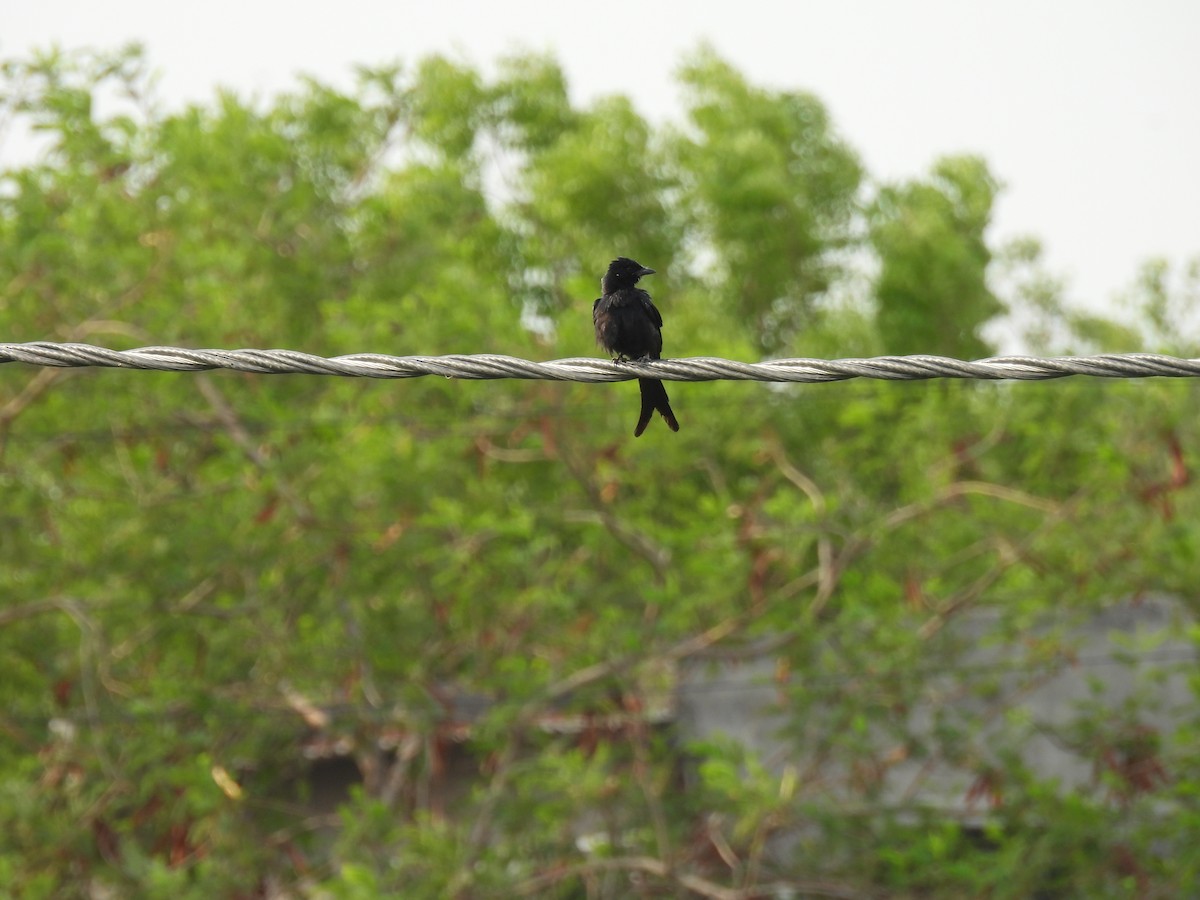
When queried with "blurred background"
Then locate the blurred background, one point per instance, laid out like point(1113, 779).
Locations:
point(306, 637)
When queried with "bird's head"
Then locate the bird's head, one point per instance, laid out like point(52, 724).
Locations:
point(623, 272)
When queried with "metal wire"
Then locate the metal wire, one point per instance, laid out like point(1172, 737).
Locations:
point(485, 366)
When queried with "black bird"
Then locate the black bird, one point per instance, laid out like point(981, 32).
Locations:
point(628, 326)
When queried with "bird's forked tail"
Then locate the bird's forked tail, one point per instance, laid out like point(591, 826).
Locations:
point(654, 397)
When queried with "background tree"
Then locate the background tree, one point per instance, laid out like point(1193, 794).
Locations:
point(206, 578)
point(770, 189)
point(932, 287)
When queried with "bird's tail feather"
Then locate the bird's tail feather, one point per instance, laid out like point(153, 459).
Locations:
point(654, 397)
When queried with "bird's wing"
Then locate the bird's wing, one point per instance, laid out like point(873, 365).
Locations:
point(651, 309)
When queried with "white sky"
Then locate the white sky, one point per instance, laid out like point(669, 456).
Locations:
point(1088, 110)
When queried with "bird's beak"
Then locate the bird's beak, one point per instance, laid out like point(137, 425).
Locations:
point(645, 271)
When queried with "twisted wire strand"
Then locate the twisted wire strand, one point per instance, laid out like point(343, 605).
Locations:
point(487, 366)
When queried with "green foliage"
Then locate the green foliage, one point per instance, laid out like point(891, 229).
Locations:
point(771, 188)
point(932, 286)
point(479, 593)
